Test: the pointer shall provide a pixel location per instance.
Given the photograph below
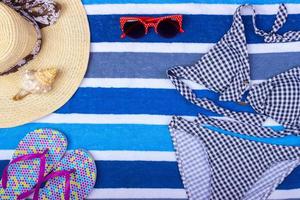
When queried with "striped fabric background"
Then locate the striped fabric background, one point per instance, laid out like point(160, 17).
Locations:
point(121, 111)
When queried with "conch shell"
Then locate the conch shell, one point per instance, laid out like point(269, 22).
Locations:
point(36, 82)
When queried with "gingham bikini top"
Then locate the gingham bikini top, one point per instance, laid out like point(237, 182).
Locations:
point(225, 69)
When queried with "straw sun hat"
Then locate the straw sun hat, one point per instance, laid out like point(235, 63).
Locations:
point(42, 40)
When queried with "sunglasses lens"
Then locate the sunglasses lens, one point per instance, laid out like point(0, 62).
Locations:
point(168, 28)
point(134, 29)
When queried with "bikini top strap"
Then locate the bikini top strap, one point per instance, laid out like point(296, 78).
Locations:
point(273, 36)
point(187, 92)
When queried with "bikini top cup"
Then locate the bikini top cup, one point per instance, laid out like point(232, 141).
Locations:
point(279, 98)
point(225, 69)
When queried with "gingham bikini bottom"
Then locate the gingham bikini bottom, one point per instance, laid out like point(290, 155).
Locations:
point(229, 163)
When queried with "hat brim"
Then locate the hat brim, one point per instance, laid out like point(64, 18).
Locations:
point(66, 46)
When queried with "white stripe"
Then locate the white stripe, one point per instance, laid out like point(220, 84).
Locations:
point(6, 154)
point(107, 119)
point(285, 194)
point(270, 122)
point(185, 8)
point(188, 47)
point(116, 155)
point(123, 193)
point(169, 194)
point(139, 83)
point(134, 193)
point(118, 119)
point(126, 193)
point(134, 155)
point(134, 83)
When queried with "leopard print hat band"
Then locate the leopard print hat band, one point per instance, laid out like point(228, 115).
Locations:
point(39, 13)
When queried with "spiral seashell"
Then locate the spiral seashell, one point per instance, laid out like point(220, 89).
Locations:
point(46, 76)
point(36, 82)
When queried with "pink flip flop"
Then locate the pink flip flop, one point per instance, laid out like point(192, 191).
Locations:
point(34, 158)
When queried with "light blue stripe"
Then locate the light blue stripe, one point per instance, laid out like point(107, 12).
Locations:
point(188, 1)
point(113, 136)
point(99, 137)
point(290, 140)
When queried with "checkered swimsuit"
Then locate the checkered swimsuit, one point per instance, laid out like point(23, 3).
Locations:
point(226, 70)
point(214, 164)
point(232, 168)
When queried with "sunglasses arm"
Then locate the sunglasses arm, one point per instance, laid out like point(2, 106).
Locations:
point(123, 35)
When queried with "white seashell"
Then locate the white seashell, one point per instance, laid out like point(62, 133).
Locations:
point(36, 82)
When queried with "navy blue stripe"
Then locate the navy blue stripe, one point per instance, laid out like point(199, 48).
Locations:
point(291, 181)
point(148, 174)
point(137, 174)
point(198, 28)
point(139, 101)
point(137, 65)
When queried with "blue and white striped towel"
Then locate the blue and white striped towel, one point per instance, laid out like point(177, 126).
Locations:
point(121, 111)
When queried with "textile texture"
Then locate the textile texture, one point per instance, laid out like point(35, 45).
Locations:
point(123, 107)
point(236, 165)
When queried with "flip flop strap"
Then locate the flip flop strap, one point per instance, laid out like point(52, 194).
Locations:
point(41, 156)
point(24, 158)
point(62, 173)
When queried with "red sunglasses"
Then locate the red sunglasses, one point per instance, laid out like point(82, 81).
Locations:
point(136, 27)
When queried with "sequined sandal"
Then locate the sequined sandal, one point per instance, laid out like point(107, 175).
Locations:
point(34, 158)
point(73, 178)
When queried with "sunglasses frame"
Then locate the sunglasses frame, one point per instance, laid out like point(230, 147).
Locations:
point(150, 22)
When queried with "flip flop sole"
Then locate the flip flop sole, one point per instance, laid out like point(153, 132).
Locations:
point(82, 181)
point(23, 176)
